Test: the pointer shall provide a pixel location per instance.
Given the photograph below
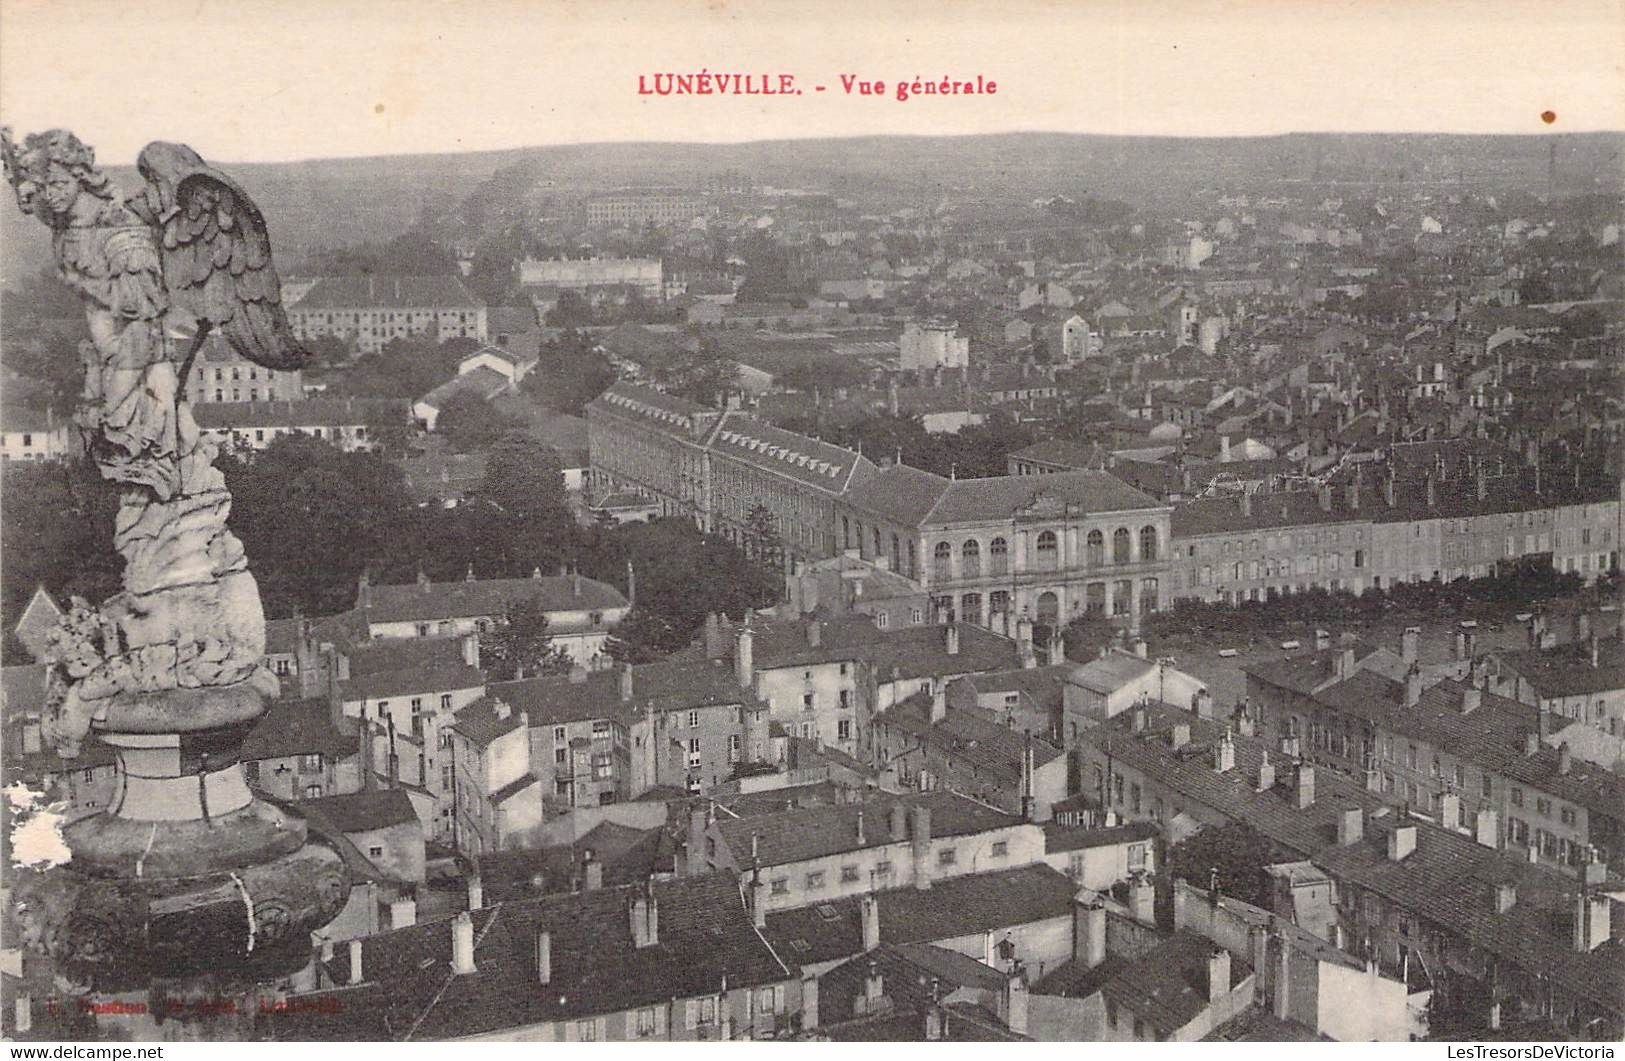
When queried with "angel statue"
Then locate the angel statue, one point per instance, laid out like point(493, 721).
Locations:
point(157, 273)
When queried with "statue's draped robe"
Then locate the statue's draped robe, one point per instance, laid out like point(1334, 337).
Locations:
point(190, 613)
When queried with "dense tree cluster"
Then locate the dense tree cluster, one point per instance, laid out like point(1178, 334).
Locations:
point(1233, 854)
point(312, 518)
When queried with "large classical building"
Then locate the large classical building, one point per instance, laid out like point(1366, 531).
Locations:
point(1371, 533)
point(718, 468)
point(368, 311)
point(643, 206)
point(991, 551)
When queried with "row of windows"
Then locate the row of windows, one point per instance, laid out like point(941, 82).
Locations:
point(1046, 549)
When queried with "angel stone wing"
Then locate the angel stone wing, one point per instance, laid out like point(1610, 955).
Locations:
point(217, 255)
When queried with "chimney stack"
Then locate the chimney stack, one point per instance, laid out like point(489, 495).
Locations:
point(1350, 827)
point(920, 841)
point(952, 639)
point(355, 961)
point(1142, 899)
point(939, 700)
point(744, 659)
point(544, 957)
point(1506, 896)
point(626, 683)
point(1218, 975)
point(1565, 759)
point(1179, 736)
point(1224, 754)
point(1472, 699)
point(1531, 745)
point(1141, 649)
point(861, 837)
point(1401, 842)
point(1304, 789)
point(476, 892)
point(462, 944)
point(644, 913)
point(869, 908)
point(714, 648)
point(1266, 774)
point(899, 823)
point(1487, 828)
point(1088, 930)
point(1408, 642)
point(1450, 811)
point(1413, 687)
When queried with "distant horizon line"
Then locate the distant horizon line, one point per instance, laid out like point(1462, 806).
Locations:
point(768, 141)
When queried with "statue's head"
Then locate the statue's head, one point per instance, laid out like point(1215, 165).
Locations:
point(50, 171)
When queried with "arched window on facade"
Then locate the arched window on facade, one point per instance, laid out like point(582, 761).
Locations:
point(970, 559)
point(942, 560)
point(1046, 549)
point(1148, 543)
point(998, 556)
point(1120, 546)
point(1095, 547)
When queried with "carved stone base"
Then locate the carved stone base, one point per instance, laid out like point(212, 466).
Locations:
point(105, 845)
point(213, 933)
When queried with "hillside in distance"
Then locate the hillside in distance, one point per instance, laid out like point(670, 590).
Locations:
point(328, 203)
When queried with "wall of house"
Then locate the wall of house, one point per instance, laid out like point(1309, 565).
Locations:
point(1056, 1019)
point(1041, 945)
point(786, 688)
point(885, 866)
point(1098, 868)
point(395, 849)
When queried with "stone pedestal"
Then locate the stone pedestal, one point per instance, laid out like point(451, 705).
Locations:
point(188, 890)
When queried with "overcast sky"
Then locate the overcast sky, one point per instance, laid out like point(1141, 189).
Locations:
point(255, 80)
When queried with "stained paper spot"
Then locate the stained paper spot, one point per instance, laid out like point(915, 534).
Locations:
point(36, 831)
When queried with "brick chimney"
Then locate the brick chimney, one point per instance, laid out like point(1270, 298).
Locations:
point(1179, 736)
point(1350, 827)
point(1224, 754)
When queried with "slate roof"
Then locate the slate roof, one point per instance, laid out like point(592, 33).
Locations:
point(486, 597)
point(482, 382)
point(953, 907)
point(386, 654)
point(312, 412)
point(665, 686)
point(411, 681)
point(483, 721)
point(808, 461)
point(1448, 880)
point(906, 974)
point(1232, 794)
point(995, 752)
point(298, 727)
point(364, 811)
point(1040, 687)
point(406, 292)
point(1567, 671)
point(1059, 838)
point(1110, 672)
point(411, 992)
point(917, 498)
point(1167, 985)
point(805, 833)
point(646, 403)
